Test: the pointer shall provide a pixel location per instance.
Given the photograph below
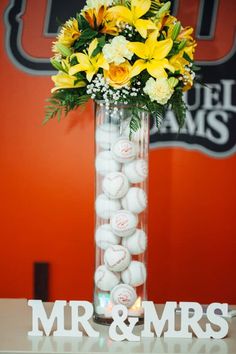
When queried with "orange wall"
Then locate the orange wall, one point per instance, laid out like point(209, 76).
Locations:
point(46, 204)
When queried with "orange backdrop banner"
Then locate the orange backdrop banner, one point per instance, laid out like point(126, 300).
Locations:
point(47, 172)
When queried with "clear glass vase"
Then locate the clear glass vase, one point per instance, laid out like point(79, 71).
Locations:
point(121, 209)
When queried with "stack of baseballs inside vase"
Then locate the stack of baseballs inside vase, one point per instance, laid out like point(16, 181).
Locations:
point(119, 205)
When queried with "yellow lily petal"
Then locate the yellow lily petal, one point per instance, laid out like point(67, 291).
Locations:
point(82, 58)
point(138, 66)
point(156, 68)
point(139, 8)
point(121, 12)
point(102, 63)
point(89, 74)
point(63, 81)
point(138, 48)
point(143, 26)
point(77, 68)
point(162, 48)
point(92, 46)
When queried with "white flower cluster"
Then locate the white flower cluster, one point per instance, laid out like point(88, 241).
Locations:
point(99, 89)
point(95, 4)
point(117, 51)
point(158, 90)
point(191, 74)
point(128, 31)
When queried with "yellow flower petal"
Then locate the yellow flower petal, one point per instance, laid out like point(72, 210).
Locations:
point(162, 48)
point(92, 46)
point(139, 8)
point(89, 74)
point(121, 12)
point(143, 26)
point(102, 63)
point(63, 81)
point(156, 68)
point(76, 69)
point(138, 48)
point(138, 66)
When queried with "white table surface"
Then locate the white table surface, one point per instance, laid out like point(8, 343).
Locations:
point(15, 322)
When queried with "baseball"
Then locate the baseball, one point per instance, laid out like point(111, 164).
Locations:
point(123, 294)
point(135, 136)
point(136, 171)
point(123, 150)
point(117, 258)
point(105, 238)
point(135, 274)
point(105, 163)
point(123, 223)
point(105, 207)
point(115, 185)
point(106, 134)
point(136, 243)
point(105, 279)
point(135, 200)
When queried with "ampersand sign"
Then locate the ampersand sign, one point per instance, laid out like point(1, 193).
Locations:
point(120, 314)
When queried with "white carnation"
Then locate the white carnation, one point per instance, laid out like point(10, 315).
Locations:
point(117, 51)
point(158, 90)
point(94, 4)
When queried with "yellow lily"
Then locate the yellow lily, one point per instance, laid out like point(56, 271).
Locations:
point(87, 63)
point(179, 62)
point(64, 81)
point(153, 56)
point(133, 15)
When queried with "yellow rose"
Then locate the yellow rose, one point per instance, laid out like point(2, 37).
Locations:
point(118, 75)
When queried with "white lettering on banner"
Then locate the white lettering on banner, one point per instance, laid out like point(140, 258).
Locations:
point(210, 121)
point(191, 314)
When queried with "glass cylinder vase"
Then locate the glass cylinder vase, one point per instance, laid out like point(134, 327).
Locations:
point(121, 209)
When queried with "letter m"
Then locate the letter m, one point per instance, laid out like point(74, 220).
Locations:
point(39, 313)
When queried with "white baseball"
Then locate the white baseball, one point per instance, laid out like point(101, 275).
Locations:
point(123, 294)
point(105, 163)
point(136, 243)
point(105, 279)
point(123, 223)
point(115, 185)
point(117, 258)
point(124, 150)
point(105, 207)
point(106, 134)
point(136, 171)
point(135, 136)
point(105, 238)
point(135, 200)
point(135, 274)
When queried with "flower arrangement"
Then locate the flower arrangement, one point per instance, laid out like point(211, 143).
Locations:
point(130, 52)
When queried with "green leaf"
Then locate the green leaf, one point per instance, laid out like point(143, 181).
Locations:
point(86, 36)
point(178, 106)
point(135, 122)
point(98, 49)
point(63, 101)
point(187, 57)
point(83, 23)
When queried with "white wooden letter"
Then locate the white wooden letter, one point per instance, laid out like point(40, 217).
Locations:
point(39, 313)
point(151, 317)
point(218, 320)
point(83, 319)
point(190, 319)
